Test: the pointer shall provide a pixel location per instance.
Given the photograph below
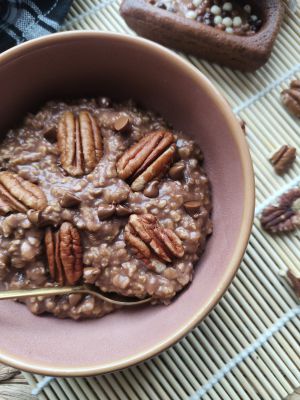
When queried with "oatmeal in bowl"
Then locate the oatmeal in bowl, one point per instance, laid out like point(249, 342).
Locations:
point(105, 193)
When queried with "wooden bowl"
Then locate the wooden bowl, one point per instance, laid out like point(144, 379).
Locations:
point(246, 53)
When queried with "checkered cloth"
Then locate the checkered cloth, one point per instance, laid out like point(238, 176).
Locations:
point(21, 20)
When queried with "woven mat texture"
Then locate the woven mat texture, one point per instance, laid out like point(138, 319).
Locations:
point(248, 347)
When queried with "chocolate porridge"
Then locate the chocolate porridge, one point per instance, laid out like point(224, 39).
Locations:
point(100, 193)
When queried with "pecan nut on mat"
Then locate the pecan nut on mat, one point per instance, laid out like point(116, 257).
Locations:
point(283, 159)
point(291, 98)
point(285, 216)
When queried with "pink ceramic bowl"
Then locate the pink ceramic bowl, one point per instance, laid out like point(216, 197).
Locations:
point(84, 63)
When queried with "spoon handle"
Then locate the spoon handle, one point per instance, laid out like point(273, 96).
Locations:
point(56, 291)
point(49, 291)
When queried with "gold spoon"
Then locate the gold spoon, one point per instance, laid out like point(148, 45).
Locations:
point(58, 291)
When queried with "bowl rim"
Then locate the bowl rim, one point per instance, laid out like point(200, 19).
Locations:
point(247, 217)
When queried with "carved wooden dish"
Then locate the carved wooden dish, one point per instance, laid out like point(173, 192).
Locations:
point(240, 52)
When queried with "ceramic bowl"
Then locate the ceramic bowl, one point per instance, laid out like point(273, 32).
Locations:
point(77, 64)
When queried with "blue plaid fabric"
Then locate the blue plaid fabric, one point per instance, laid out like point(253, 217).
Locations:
point(21, 20)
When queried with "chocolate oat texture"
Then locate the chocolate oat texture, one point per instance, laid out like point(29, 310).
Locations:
point(100, 193)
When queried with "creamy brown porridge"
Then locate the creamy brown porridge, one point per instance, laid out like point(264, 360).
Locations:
point(103, 193)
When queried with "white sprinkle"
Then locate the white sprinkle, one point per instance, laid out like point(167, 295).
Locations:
point(247, 8)
point(237, 21)
point(227, 21)
point(196, 3)
point(229, 30)
point(254, 18)
point(191, 14)
point(227, 6)
point(216, 10)
point(218, 19)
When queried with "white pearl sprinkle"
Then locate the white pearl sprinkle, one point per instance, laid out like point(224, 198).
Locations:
point(218, 19)
point(229, 30)
point(216, 10)
point(247, 8)
point(227, 6)
point(254, 18)
point(227, 21)
point(191, 14)
point(196, 3)
point(237, 21)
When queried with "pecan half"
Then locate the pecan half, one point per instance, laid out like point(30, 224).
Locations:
point(294, 276)
point(144, 233)
point(283, 159)
point(284, 217)
point(64, 254)
point(147, 159)
point(79, 142)
point(291, 98)
point(19, 195)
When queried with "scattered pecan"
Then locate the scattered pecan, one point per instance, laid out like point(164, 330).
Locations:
point(294, 276)
point(291, 98)
point(19, 195)
point(144, 233)
point(284, 217)
point(147, 159)
point(64, 254)
point(283, 159)
point(79, 143)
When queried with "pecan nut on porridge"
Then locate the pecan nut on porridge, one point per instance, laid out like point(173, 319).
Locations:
point(102, 193)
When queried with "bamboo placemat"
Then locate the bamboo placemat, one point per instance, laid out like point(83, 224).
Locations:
point(248, 347)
